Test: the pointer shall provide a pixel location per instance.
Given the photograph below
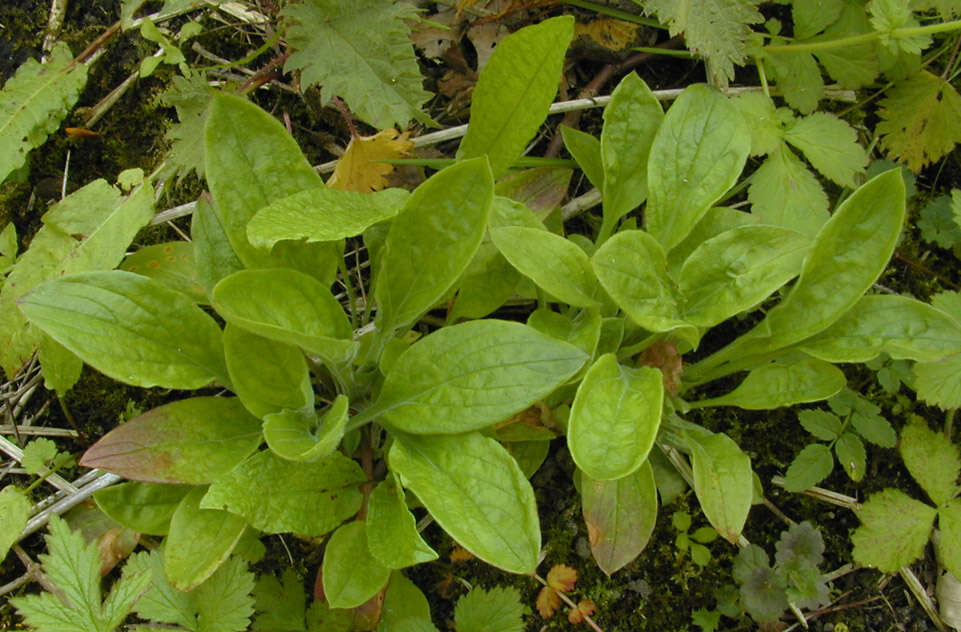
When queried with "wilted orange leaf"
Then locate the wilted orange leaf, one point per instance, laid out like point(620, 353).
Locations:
point(359, 170)
point(609, 33)
point(562, 578)
point(460, 554)
point(585, 607)
point(663, 355)
point(548, 601)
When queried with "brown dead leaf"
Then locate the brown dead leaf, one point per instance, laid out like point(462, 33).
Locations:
point(485, 37)
point(663, 355)
point(609, 33)
point(548, 601)
point(359, 170)
point(561, 578)
point(432, 40)
point(460, 554)
point(585, 607)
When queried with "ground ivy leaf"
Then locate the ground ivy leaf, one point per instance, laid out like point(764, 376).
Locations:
point(949, 539)
point(619, 516)
point(614, 418)
point(277, 496)
point(14, 512)
point(351, 575)
point(514, 92)
point(472, 375)
point(191, 441)
point(932, 459)
point(392, 535)
point(496, 610)
point(851, 455)
point(717, 30)
point(894, 530)
point(476, 492)
point(800, 541)
point(762, 589)
point(360, 51)
point(101, 316)
point(811, 466)
point(921, 120)
point(937, 383)
point(785, 193)
point(829, 144)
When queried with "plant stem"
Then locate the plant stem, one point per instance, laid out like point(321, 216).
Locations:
point(615, 13)
point(841, 42)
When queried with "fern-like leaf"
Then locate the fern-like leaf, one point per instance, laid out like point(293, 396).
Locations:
point(361, 51)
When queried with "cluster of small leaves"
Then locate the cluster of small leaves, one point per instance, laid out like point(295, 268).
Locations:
point(692, 542)
point(896, 527)
point(561, 579)
point(854, 420)
point(794, 580)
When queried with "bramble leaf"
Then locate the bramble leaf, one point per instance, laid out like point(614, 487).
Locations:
point(496, 610)
point(921, 120)
point(361, 51)
point(716, 30)
point(73, 566)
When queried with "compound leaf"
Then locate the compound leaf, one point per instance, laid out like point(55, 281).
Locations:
point(811, 466)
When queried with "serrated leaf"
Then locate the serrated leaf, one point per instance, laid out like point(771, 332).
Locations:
point(717, 30)
point(948, 301)
point(813, 16)
point(277, 496)
point(100, 316)
point(784, 192)
point(921, 120)
point(191, 97)
point(829, 144)
point(798, 77)
point(937, 223)
point(281, 604)
point(762, 120)
point(894, 530)
point(619, 516)
point(476, 492)
point(73, 567)
point(820, 423)
point(360, 51)
point(614, 418)
point(361, 168)
point(811, 466)
point(191, 441)
point(514, 92)
point(800, 541)
point(496, 610)
point(851, 455)
point(890, 15)
point(932, 459)
point(14, 512)
point(938, 383)
point(34, 101)
point(37, 454)
point(472, 375)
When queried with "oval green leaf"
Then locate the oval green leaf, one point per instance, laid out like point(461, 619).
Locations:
point(620, 516)
point(476, 492)
point(277, 496)
point(472, 375)
point(737, 270)
point(323, 214)
point(392, 535)
point(14, 512)
point(268, 376)
point(697, 155)
point(614, 418)
point(351, 575)
point(143, 507)
point(515, 91)
point(586, 151)
point(723, 482)
point(793, 381)
point(555, 264)
point(811, 466)
point(432, 241)
point(171, 264)
point(130, 328)
point(199, 541)
point(298, 435)
point(192, 441)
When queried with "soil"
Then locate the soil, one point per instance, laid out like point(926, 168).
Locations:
point(661, 589)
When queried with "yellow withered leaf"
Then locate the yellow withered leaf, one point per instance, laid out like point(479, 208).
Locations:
point(360, 169)
point(562, 578)
point(609, 33)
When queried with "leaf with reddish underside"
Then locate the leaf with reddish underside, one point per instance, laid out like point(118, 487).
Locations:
point(193, 441)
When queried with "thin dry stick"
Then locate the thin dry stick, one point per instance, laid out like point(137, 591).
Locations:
point(570, 603)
